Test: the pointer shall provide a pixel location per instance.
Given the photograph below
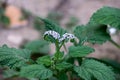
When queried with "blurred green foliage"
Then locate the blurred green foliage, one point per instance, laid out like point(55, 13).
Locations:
point(59, 65)
point(38, 46)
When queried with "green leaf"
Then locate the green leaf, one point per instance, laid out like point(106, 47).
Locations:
point(46, 60)
point(14, 57)
point(9, 73)
point(38, 46)
point(1, 10)
point(39, 25)
point(50, 38)
point(83, 73)
point(36, 71)
point(108, 16)
point(63, 66)
point(53, 78)
point(55, 16)
point(80, 51)
point(5, 20)
point(92, 33)
point(53, 26)
point(63, 76)
point(113, 63)
point(73, 21)
point(26, 14)
point(92, 68)
point(59, 55)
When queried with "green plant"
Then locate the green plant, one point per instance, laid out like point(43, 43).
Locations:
point(75, 64)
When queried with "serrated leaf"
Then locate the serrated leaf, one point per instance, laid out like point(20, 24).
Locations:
point(46, 60)
point(94, 68)
point(115, 64)
point(63, 66)
point(108, 16)
point(38, 46)
point(83, 73)
point(36, 71)
point(92, 33)
point(14, 57)
point(53, 26)
point(39, 25)
point(80, 51)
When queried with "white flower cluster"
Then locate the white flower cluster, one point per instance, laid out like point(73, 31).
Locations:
point(67, 36)
point(56, 35)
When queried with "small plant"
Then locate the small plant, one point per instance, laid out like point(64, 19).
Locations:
point(75, 65)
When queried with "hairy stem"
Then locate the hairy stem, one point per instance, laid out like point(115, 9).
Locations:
point(57, 49)
point(115, 44)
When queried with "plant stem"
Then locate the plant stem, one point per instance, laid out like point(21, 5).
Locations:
point(65, 48)
point(115, 44)
point(61, 44)
point(57, 51)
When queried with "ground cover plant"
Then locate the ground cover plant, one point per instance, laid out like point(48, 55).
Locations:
point(75, 65)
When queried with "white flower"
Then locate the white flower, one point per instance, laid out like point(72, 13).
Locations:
point(54, 34)
point(112, 30)
point(67, 36)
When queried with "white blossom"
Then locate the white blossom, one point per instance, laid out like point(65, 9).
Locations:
point(67, 36)
point(54, 34)
point(112, 30)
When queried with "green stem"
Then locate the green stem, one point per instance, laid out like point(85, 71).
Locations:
point(56, 55)
point(81, 42)
point(57, 51)
point(113, 42)
point(65, 47)
point(61, 44)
